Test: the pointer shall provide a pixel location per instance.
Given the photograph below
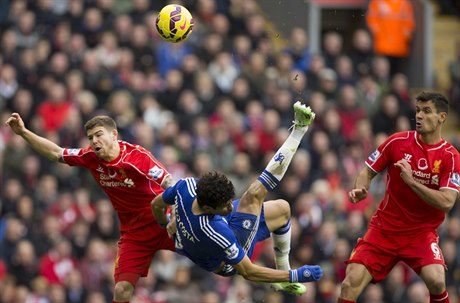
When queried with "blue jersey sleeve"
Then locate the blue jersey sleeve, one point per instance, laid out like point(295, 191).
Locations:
point(169, 195)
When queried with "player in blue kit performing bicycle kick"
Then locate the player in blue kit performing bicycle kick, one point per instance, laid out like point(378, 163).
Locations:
point(219, 234)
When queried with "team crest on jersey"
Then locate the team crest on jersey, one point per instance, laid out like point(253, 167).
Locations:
point(122, 173)
point(247, 224)
point(455, 179)
point(374, 156)
point(232, 251)
point(73, 151)
point(279, 158)
point(436, 167)
point(155, 172)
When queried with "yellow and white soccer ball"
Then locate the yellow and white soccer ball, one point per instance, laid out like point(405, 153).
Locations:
point(174, 23)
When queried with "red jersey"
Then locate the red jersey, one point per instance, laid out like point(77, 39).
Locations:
point(435, 166)
point(131, 181)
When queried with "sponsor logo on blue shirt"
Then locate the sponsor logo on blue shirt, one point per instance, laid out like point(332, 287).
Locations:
point(232, 251)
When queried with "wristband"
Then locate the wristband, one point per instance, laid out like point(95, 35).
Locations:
point(293, 276)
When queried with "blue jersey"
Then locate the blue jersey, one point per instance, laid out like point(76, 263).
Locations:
point(207, 240)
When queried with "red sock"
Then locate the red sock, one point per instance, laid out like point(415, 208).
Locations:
point(345, 301)
point(120, 302)
point(442, 298)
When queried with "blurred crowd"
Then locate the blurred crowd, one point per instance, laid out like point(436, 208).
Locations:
point(222, 100)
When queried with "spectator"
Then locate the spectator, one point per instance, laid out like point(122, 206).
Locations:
point(53, 111)
point(24, 264)
point(298, 48)
point(107, 51)
point(332, 47)
point(361, 51)
point(381, 71)
point(62, 34)
point(255, 72)
point(368, 93)
point(139, 40)
point(345, 71)
point(223, 71)
point(327, 84)
point(26, 34)
point(392, 25)
point(28, 73)
point(350, 112)
point(75, 291)
point(169, 96)
point(95, 264)
point(58, 262)
point(170, 55)
point(9, 46)
point(92, 26)
point(384, 121)
point(399, 86)
point(8, 82)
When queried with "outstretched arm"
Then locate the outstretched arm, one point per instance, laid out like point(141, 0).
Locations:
point(257, 273)
point(43, 146)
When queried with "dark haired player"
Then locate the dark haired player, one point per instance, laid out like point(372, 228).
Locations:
point(423, 180)
point(219, 234)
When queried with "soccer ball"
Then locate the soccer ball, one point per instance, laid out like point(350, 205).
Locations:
point(174, 23)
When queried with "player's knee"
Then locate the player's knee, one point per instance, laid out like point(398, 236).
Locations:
point(256, 191)
point(123, 291)
point(435, 286)
point(345, 286)
point(434, 277)
point(284, 208)
point(352, 282)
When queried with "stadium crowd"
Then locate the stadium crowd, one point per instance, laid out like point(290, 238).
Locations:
point(221, 100)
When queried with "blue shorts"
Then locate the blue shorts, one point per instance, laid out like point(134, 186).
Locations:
point(248, 229)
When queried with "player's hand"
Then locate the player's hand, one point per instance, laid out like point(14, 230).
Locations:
point(16, 124)
point(306, 273)
point(171, 227)
point(406, 170)
point(357, 194)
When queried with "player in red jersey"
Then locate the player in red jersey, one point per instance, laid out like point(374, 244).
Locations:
point(131, 177)
point(423, 180)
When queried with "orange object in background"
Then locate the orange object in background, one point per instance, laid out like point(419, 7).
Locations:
point(392, 25)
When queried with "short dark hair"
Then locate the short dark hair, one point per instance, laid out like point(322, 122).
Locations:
point(214, 189)
point(104, 121)
point(440, 102)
